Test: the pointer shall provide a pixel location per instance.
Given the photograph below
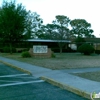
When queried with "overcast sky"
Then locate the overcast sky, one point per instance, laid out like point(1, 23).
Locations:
point(83, 9)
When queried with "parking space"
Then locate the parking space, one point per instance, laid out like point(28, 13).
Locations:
point(17, 79)
point(15, 85)
point(4, 70)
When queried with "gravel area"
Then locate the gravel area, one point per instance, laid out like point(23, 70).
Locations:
point(62, 61)
point(94, 76)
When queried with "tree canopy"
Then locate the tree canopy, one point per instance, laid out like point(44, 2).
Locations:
point(35, 24)
point(81, 28)
point(58, 30)
point(16, 23)
point(62, 23)
point(12, 21)
point(62, 29)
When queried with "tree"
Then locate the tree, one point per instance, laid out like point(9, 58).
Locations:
point(35, 24)
point(62, 31)
point(58, 30)
point(47, 31)
point(81, 28)
point(15, 23)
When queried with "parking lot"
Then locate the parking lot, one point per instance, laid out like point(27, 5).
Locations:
point(15, 85)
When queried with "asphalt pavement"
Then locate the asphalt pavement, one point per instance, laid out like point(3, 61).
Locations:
point(61, 78)
point(16, 85)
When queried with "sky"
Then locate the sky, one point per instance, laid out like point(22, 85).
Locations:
point(74, 9)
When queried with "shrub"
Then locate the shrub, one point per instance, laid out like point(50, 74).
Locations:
point(7, 50)
point(53, 55)
point(25, 54)
point(86, 49)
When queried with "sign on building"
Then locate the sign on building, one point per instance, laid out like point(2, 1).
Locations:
point(40, 49)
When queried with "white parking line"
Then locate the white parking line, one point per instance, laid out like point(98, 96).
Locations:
point(20, 83)
point(13, 75)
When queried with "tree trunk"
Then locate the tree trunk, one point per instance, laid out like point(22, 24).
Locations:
point(60, 50)
point(60, 47)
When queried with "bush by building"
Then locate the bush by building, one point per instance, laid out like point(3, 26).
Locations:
point(25, 54)
point(86, 49)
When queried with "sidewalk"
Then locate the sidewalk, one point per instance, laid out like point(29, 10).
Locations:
point(61, 78)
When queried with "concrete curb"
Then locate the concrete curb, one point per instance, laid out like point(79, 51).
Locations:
point(16, 67)
point(67, 87)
